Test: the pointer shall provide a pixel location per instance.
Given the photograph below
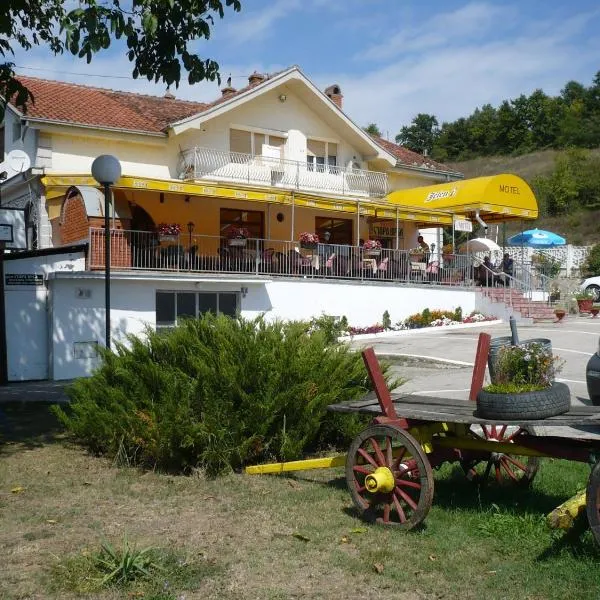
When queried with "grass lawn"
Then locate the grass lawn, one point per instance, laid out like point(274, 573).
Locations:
point(233, 537)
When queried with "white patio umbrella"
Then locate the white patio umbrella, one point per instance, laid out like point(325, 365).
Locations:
point(480, 245)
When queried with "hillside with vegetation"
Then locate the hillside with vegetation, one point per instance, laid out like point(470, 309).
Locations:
point(553, 142)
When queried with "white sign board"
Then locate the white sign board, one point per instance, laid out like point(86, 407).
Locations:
point(13, 218)
point(463, 225)
point(6, 233)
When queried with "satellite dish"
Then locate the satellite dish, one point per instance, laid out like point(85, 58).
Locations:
point(18, 160)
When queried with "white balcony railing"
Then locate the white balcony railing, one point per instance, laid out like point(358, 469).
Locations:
point(219, 165)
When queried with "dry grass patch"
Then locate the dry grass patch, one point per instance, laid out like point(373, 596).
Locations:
point(279, 537)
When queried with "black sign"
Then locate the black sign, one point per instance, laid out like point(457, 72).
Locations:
point(24, 279)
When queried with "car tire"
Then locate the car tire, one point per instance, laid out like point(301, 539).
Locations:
point(594, 289)
point(542, 404)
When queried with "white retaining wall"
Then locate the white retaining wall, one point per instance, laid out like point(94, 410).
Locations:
point(78, 307)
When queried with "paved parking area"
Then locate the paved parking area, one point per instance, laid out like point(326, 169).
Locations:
point(440, 361)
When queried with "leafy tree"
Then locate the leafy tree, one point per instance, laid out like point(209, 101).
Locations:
point(373, 129)
point(421, 135)
point(158, 35)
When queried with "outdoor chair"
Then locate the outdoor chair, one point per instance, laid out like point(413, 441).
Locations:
point(433, 271)
point(382, 268)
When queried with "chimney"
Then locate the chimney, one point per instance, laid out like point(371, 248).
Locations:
point(334, 93)
point(169, 95)
point(228, 90)
point(256, 78)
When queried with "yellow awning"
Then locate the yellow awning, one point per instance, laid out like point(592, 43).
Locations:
point(497, 198)
point(57, 184)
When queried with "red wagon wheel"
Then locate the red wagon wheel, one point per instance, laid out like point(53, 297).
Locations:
point(389, 477)
point(593, 501)
point(504, 468)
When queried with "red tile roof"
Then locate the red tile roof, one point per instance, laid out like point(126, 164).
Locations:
point(84, 105)
point(408, 157)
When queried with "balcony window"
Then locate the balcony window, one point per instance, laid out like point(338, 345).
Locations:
point(251, 142)
point(321, 156)
point(171, 307)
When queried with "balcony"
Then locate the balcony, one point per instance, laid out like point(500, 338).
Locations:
point(218, 165)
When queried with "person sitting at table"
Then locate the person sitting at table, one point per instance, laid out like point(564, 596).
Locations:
point(485, 275)
point(325, 249)
point(425, 247)
point(506, 268)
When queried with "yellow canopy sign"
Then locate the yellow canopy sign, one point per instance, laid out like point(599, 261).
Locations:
point(497, 198)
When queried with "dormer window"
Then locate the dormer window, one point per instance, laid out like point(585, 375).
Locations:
point(321, 155)
point(253, 142)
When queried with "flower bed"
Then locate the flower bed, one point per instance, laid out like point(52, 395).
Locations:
point(427, 318)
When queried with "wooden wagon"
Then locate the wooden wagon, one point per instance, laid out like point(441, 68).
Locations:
point(389, 466)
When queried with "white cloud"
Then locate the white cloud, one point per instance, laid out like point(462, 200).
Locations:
point(453, 80)
point(472, 21)
point(258, 25)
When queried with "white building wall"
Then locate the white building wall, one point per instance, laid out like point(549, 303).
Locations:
point(26, 313)
point(78, 317)
point(160, 158)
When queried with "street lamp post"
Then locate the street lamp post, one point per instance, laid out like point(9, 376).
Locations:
point(106, 170)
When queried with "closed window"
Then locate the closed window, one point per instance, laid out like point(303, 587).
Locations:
point(173, 306)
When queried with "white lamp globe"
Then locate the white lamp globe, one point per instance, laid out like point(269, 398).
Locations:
point(106, 169)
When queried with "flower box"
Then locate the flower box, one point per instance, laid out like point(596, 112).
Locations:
point(308, 245)
point(237, 241)
point(165, 237)
point(168, 231)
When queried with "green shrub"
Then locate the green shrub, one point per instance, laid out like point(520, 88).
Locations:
point(332, 327)
point(386, 320)
point(218, 393)
point(591, 266)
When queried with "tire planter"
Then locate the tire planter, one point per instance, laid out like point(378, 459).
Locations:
point(555, 400)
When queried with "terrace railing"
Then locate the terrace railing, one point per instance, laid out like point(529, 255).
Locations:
point(219, 165)
point(146, 251)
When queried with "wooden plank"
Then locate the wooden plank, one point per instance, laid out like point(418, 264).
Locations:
point(481, 357)
point(428, 408)
point(378, 381)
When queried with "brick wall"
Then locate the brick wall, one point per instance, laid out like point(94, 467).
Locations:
point(73, 224)
point(120, 247)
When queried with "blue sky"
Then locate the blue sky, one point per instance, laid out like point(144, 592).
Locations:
point(392, 58)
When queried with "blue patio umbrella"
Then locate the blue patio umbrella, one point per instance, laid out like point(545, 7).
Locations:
point(536, 238)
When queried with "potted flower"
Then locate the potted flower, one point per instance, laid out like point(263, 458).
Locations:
point(237, 236)
point(168, 231)
point(309, 240)
point(585, 301)
point(372, 247)
point(523, 385)
point(416, 253)
point(560, 313)
point(448, 253)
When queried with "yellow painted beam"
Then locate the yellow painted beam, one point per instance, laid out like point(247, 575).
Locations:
point(298, 465)
point(563, 516)
point(468, 443)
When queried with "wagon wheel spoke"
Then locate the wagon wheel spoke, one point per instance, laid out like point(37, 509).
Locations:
point(399, 510)
point(507, 468)
point(509, 471)
point(367, 457)
point(406, 498)
point(389, 459)
point(389, 477)
point(378, 452)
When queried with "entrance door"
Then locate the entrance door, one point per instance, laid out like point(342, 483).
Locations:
point(26, 333)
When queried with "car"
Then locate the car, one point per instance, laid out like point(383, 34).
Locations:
point(592, 285)
point(592, 377)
